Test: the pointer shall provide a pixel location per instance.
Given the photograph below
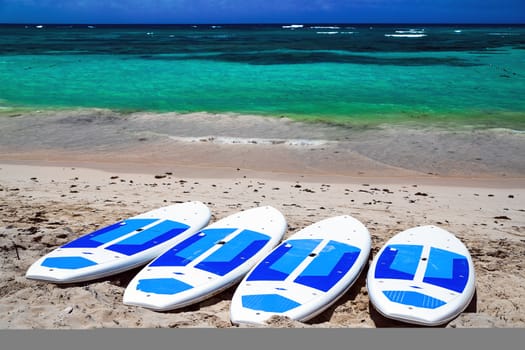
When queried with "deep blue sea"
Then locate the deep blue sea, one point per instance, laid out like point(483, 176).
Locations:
point(336, 73)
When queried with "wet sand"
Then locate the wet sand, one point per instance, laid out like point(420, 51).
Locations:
point(65, 177)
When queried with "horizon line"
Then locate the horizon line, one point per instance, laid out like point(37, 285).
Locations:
point(258, 23)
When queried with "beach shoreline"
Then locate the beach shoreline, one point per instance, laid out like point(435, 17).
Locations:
point(66, 176)
point(146, 141)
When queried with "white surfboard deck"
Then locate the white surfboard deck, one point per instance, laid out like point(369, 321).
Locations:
point(305, 274)
point(121, 246)
point(208, 262)
point(423, 275)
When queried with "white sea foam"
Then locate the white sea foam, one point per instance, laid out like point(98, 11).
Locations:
point(223, 140)
point(327, 33)
point(405, 35)
point(293, 26)
point(411, 31)
point(325, 27)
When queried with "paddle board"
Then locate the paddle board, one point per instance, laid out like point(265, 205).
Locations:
point(305, 274)
point(208, 262)
point(423, 275)
point(121, 246)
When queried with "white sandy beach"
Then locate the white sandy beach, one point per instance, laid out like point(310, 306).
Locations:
point(51, 194)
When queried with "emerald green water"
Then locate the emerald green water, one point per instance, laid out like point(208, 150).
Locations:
point(393, 83)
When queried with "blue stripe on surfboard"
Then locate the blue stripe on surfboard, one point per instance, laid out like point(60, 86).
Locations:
point(167, 286)
point(413, 299)
point(268, 303)
point(327, 268)
point(109, 233)
point(234, 252)
point(398, 261)
point(447, 269)
point(150, 237)
point(189, 249)
point(283, 260)
point(68, 262)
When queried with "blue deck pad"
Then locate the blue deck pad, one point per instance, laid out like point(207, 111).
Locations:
point(68, 262)
point(327, 268)
point(399, 261)
point(191, 248)
point(108, 234)
point(167, 286)
point(268, 303)
point(413, 299)
point(447, 269)
point(283, 260)
point(151, 237)
point(234, 252)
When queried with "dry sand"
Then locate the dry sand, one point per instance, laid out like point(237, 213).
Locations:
point(50, 195)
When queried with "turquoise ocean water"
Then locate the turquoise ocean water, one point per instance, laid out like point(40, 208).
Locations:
point(365, 74)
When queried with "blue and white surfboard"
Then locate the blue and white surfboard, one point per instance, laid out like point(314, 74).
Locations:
point(208, 262)
point(121, 246)
point(305, 274)
point(423, 275)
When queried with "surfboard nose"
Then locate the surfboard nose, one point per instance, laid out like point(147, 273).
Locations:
point(258, 308)
point(155, 293)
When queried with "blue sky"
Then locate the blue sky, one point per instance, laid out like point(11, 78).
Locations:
point(262, 11)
